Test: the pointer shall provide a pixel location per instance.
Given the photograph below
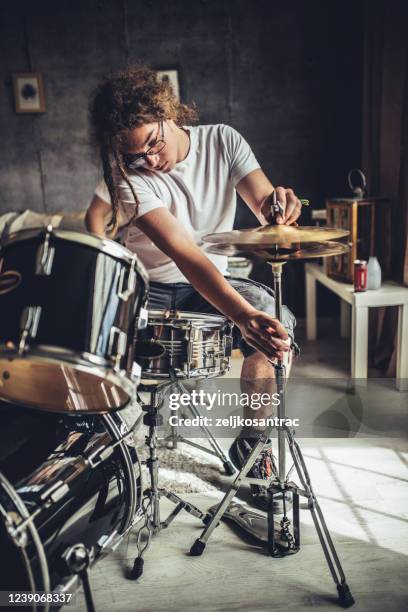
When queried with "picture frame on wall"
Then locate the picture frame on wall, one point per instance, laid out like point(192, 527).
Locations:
point(172, 76)
point(28, 93)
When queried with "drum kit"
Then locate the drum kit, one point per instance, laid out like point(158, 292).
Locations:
point(78, 351)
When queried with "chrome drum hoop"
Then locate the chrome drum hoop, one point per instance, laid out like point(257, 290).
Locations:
point(21, 541)
point(104, 245)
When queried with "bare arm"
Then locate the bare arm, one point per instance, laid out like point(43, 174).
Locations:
point(98, 216)
point(256, 191)
point(260, 330)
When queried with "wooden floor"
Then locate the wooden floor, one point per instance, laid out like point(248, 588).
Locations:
point(361, 484)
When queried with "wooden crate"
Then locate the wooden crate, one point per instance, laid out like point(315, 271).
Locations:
point(358, 216)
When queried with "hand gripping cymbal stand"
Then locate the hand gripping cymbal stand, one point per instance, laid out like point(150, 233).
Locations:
point(278, 483)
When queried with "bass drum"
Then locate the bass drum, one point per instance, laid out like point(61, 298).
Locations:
point(64, 480)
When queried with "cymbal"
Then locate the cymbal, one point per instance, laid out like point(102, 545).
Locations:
point(307, 251)
point(276, 234)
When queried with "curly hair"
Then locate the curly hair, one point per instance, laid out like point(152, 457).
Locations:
point(125, 100)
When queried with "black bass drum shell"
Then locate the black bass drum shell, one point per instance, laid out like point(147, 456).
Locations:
point(42, 452)
point(86, 303)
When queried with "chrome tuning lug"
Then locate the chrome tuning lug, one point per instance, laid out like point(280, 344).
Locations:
point(45, 255)
point(117, 346)
point(142, 319)
point(29, 322)
point(228, 345)
point(136, 373)
point(124, 292)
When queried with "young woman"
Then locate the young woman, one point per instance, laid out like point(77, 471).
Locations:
point(166, 184)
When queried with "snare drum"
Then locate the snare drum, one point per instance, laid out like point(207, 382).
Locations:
point(65, 480)
point(185, 344)
point(69, 303)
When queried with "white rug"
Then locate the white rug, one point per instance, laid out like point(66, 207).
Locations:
point(185, 469)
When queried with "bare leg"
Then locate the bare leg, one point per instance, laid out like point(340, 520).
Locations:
point(258, 376)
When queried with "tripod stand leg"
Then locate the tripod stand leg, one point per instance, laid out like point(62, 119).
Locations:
point(180, 505)
point(152, 464)
point(228, 467)
point(84, 576)
point(345, 597)
point(213, 442)
point(200, 544)
point(174, 436)
point(296, 526)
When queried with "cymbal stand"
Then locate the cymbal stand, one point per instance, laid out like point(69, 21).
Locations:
point(289, 536)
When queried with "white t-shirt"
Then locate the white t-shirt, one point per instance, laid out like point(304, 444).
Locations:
point(199, 192)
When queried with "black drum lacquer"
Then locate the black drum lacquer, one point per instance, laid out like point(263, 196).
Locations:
point(64, 480)
point(69, 304)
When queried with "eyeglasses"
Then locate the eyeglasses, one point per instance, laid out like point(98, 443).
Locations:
point(138, 160)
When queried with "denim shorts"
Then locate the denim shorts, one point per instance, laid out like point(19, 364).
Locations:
point(183, 296)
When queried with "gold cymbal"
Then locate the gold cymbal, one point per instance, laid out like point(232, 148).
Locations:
point(268, 235)
point(307, 251)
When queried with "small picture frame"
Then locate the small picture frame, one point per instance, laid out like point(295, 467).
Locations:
point(28, 93)
point(172, 76)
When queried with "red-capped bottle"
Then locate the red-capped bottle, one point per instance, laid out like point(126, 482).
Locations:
point(360, 275)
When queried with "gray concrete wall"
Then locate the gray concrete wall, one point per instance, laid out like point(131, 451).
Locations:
point(287, 75)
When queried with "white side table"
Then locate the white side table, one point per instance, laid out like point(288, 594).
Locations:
point(390, 294)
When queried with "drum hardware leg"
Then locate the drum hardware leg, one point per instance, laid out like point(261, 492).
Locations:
point(290, 542)
point(228, 467)
point(175, 436)
point(138, 564)
point(181, 505)
point(153, 524)
point(345, 597)
point(216, 451)
point(153, 419)
point(84, 576)
point(78, 559)
point(200, 544)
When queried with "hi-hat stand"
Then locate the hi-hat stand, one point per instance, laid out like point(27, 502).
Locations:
point(288, 541)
